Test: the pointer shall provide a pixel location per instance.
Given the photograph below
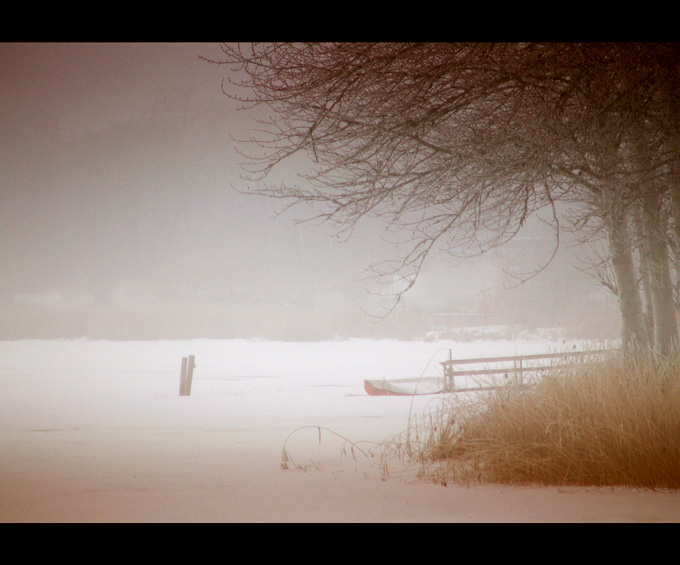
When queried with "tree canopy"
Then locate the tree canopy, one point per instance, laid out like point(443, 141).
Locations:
point(458, 144)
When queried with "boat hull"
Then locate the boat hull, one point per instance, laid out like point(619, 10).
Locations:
point(404, 387)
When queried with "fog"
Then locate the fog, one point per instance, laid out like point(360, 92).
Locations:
point(120, 219)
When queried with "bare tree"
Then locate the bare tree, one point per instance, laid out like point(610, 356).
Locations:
point(458, 144)
point(613, 125)
point(425, 136)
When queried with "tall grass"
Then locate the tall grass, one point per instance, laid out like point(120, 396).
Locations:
point(607, 424)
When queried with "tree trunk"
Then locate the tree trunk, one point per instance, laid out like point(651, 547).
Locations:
point(633, 334)
point(645, 281)
point(675, 199)
point(661, 285)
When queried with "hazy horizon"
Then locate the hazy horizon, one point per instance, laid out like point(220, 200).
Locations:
point(120, 217)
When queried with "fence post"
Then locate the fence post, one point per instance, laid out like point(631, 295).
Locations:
point(448, 374)
point(520, 375)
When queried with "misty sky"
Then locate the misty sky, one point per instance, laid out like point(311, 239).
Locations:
point(119, 166)
point(119, 173)
point(119, 163)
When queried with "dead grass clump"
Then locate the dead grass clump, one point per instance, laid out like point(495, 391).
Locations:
point(614, 423)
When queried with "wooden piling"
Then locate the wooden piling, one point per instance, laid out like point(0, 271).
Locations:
point(190, 374)
point(183, 378)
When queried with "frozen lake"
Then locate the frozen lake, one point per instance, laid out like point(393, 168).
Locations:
point(236, 384)
point(97, 431)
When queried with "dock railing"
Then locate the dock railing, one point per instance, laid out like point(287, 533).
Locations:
point(516, 367)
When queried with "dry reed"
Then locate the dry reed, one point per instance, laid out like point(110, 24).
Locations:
point(615, 423)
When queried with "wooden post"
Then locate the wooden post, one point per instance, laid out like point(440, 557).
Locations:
point(183, 378)
point(448, 374)
point(520, 374)
point(190, 374)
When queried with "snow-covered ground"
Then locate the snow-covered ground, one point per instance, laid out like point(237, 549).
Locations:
point(95, 431)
